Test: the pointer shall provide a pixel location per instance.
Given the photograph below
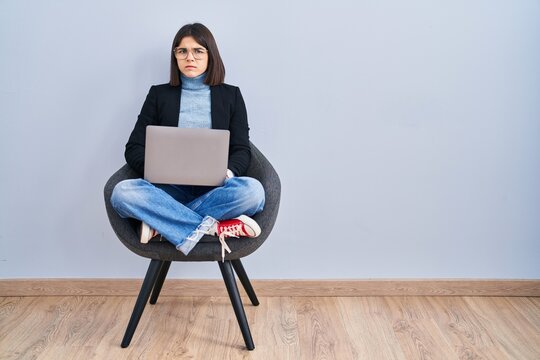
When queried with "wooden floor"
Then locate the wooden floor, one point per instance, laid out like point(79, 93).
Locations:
point(91, 327)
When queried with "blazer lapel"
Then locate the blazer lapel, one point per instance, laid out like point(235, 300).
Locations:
point(171, 112)
point(216, 108)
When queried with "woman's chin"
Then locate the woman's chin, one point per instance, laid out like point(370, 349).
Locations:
point(191, 73)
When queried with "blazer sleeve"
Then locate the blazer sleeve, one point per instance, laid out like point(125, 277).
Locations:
point(134, 152)
point(239, 148)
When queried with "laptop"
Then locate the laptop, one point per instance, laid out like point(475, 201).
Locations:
point(181, 156)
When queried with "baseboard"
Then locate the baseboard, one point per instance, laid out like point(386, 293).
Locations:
point(315, 288)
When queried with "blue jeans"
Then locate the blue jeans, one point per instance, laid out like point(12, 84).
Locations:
point(181, 213)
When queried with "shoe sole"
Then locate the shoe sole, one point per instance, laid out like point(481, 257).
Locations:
point(146, 233)
point(251, 225)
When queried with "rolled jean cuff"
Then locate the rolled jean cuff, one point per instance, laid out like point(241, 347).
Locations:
point(202, 229)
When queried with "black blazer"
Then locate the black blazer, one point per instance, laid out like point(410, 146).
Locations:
point(162, 107)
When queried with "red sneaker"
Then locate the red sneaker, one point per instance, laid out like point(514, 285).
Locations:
point(242, 226)
point(237, 227)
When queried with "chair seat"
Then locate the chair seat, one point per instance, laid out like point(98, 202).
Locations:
point(209, 248)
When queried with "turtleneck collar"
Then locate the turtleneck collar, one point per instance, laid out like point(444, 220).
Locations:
point(196, 83)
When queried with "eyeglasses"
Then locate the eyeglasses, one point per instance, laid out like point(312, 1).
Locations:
point(182, 53)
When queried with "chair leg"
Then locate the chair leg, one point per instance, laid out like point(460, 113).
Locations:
point(159, 282)
point(234, 295)
point(239, 269)
point(148, 283)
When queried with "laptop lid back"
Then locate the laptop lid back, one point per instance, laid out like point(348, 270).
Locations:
point(186, 156)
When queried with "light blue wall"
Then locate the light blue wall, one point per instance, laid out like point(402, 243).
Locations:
point(406, 134)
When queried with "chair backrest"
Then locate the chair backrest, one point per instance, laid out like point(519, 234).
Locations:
point(208, 249)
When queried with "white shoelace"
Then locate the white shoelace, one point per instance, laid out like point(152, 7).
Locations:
point(229, 231)
point(204, 228)
point(224, 246)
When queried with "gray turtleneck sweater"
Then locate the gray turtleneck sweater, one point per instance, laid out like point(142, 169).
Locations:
point(195, 103)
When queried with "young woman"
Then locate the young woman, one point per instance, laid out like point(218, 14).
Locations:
point(195, 97)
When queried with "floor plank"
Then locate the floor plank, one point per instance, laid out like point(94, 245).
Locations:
point(367, 321)
point(512, 333)
point(376, 327)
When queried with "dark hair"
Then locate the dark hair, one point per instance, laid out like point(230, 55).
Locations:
point(215, 73)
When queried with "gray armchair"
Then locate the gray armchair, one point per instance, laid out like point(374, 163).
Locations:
point(208, 249)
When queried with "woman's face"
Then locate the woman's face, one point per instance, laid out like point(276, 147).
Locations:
point(192, 57)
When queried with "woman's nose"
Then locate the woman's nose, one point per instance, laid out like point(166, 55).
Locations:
point(190, 56)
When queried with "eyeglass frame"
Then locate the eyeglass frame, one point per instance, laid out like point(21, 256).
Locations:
point(192, 51)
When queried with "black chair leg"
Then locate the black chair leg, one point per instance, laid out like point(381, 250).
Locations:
point(239, 269)
point(148, 283)
point(159, 282)
point(232, 289)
